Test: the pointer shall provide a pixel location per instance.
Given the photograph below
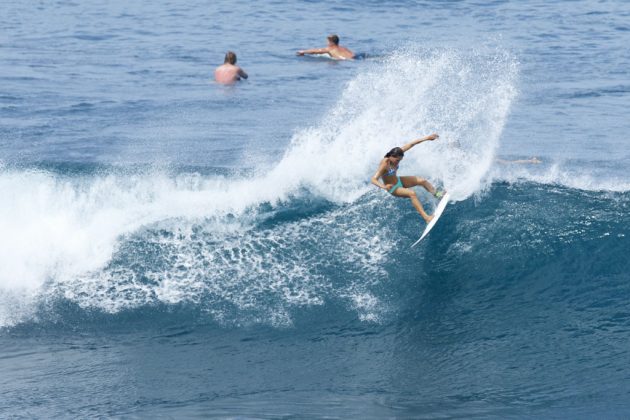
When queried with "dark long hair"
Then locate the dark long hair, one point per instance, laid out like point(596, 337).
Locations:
point(230, 57)
point(395, 152)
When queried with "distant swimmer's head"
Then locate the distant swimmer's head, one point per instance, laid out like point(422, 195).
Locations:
point(333, 39)
point(396, 153)
point(230, 57)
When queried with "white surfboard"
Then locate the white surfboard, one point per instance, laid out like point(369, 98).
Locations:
point(436, 215)
point(324, 55)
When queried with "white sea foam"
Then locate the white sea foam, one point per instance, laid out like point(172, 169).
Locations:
point(60, 233)
point(464, 97)
point(258, 276)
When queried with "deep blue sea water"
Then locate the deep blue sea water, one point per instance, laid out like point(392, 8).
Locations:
point(170, 247)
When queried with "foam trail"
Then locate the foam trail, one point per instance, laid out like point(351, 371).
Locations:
point(63, 231)
point(255, 278)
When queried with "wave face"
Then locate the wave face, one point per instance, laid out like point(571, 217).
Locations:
point(264, 266)
point(268, 264)
point(252, 247)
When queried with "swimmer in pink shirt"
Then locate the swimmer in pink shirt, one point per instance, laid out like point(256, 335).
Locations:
point(229, 72)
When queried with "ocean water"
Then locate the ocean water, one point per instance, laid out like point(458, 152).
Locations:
point(174, 248)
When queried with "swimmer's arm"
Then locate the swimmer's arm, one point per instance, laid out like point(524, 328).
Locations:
point(409, 145)
point(242, 73)
point(379, 173)
point(314, 51)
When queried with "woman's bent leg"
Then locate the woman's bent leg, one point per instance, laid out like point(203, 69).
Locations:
point(411, 195)
point(412, 181)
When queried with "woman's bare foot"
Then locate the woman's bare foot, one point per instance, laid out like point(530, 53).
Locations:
point(439, 194)
point(428, 219)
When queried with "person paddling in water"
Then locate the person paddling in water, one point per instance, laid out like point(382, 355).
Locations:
point(333, 49)
point(401, 186)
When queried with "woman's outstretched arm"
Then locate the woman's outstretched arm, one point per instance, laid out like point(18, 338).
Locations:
point(420, 140)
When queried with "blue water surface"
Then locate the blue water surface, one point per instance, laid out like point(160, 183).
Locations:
point(172, 247)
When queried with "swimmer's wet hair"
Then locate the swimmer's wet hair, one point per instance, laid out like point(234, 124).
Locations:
point(334, 39)
point(395, 152)
point(230, 57)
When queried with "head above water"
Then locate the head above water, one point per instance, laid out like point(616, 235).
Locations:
point(334, 39)
point(396, 152)
point(230, 57)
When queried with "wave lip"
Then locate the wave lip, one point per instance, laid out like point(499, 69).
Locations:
point(605, 178)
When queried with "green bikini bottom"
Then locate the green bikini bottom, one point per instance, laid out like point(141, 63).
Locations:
point(396, 186)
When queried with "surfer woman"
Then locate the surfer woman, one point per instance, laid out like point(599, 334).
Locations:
point(401, 186)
